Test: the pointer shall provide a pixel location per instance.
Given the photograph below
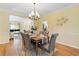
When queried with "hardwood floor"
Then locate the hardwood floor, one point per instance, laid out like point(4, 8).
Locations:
point(15, 48)
point(66, 50)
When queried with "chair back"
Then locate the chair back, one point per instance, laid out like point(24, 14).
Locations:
point(26, 41)
point(23, 38)
point(52, 41)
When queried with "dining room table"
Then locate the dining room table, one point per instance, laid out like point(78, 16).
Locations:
point(37, 38)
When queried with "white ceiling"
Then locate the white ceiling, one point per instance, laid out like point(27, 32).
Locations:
point(42, 8)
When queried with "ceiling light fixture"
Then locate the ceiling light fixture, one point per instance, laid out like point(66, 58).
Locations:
point(34, 14)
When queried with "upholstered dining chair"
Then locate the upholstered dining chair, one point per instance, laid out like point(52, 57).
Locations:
point(46, 33)
point(26, 42)
point(50, 48)
point(23, 38)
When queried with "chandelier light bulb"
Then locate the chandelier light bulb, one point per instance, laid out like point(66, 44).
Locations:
point(32, 13)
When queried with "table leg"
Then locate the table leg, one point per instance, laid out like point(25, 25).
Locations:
point(36, 48)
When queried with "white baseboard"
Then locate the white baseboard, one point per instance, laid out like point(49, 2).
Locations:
point(2, 42)
point(68, 45)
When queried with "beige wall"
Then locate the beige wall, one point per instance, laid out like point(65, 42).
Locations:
point(4, 31)
point(69, 31)
point(4, 24)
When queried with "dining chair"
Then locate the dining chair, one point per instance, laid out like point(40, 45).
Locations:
point(50, 48)
point(46, 33)
point(27, 43)
point(23, 38)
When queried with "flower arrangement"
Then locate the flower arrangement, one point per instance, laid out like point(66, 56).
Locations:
point(33, 28)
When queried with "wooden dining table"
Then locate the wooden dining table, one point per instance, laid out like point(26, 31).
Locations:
point(36, 38)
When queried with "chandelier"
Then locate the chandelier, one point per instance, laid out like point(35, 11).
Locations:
point(34, 14)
